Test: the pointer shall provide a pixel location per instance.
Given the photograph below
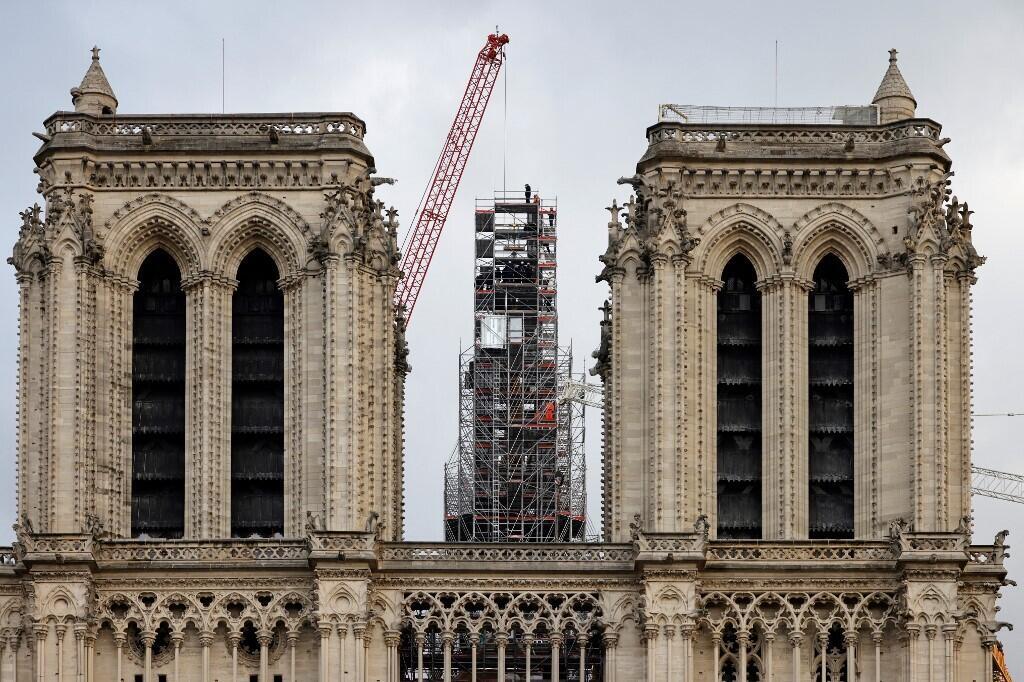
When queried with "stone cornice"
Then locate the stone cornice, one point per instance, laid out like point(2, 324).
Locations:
point(242, 134)
point(840, 144)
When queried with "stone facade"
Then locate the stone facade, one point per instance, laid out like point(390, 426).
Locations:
point(337, 595)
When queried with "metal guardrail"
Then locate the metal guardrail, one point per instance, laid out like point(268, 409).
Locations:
point(832, 115)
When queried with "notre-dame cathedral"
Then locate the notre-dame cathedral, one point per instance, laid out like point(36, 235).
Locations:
point(210, 435)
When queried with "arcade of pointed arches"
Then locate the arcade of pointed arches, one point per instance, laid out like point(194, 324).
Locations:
point(827, 253)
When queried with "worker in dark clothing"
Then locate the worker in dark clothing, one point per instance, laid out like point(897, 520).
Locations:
point(527, 192)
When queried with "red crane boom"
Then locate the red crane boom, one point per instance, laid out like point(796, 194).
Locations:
point(433, 210)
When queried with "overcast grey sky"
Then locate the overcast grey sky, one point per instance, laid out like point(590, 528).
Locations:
point(583, 82)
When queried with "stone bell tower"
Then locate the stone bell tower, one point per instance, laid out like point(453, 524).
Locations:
point(208, 343)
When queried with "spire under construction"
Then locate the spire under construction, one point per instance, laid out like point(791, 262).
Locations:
point(517, 474)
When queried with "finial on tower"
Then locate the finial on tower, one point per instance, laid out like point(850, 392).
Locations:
point(893, 97)
point(94, 96)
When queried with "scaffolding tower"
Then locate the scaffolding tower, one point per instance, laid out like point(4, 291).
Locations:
point(518, 471)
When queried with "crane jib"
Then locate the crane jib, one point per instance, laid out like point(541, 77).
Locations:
point(431, 215)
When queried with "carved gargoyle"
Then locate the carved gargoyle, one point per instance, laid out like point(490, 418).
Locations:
point(401, 344)
point(603, 352)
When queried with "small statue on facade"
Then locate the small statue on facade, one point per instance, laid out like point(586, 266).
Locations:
point(702, 526)
point(371, 522)
point(313, 522)
point(636, 533)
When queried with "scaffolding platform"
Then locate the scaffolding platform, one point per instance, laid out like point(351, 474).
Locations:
point(518, 471)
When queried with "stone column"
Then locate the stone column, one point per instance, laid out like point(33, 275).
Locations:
point(502, 640)
point(79, 630)
point(948, 636)
point(325, 650)
point(60, 629)
point(528, 645)
point(420, 638)
point(40, 630)
point(583, 657)
point(865, 374)
point(795, 639)
point(930, 631)
point(342, 645)
point(702, 438)
point(205, 640)
point(927, 373)
point(823, 645)
point(208, 299)
point(3, 655)
point(987, 644)
point(958, 643)
point(293, 639)
point(556, 643)
point(670, 632)
point(876, 639)
point(473, 640)
point(783, 370)
point(716, 642)
point(119, 640)
point(177, 639)
point(233, 639)
point(611, 641)
point(903, 639)
point(769, 655)
point(90, 656)
point(687, 631)
point(446, 641)
point(358, 633)
point(650, 637)
point(743, 639)
point(850, 639)
point(148, 639)
point(365, 666)
point(391, 640)
point(265, 637)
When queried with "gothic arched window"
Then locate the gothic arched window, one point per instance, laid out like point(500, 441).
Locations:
point(739, 402)
point(257, 400)
point(158, 400)
point(830, 414)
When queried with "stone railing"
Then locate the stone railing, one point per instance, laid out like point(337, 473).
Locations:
point(347, 543)
point(725, 550)
point(986, 555)
point(932, 542)
point(65, 544)
point(792, 134)
point(670, 542)
point(562, 553)
point(201, 551)
point(206, 125)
